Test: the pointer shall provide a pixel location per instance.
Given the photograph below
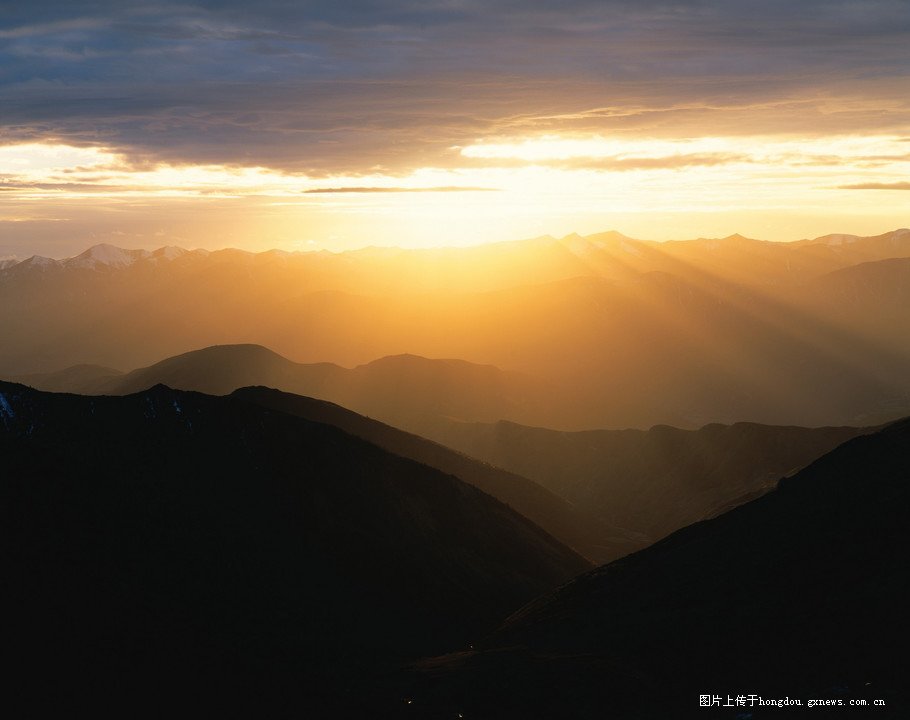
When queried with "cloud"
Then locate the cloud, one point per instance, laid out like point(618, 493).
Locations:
point(445, 189)
point(52, 28)
point(876, 186)
point(622, 163)
point(326, 88)
point(19, 186)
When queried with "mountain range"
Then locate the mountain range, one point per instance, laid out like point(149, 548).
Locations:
point(572, 524)
point(604, 493)
point(778, 333)
point(793, 596)
point(168, 538)
point(404, 390)
point(397, 510)
point(654, 481)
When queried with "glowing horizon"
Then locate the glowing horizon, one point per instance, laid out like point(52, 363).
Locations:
point(444, 124)
point(734, 180)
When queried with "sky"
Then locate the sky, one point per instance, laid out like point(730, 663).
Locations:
point(325, 125)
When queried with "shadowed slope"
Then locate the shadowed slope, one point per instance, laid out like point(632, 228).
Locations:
point(182, 537)
point(573, 526)
point(794, 594)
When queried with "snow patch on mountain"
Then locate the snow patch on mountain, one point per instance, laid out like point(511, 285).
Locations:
point(105, 255)
point(165, 254)
point(839, 239)
point(6, 410)
point(39, 261)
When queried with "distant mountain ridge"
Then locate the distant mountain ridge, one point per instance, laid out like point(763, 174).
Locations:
point(624, 333)
point(80, 379)
point(401, 389)
point(655, 481)
point(105, 255)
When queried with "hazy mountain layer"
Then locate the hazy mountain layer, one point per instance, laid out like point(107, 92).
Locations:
point(81, 379)
point(622, 333)
point(796, 594)
point(404, 389)
point(610, 492)
point(650, 481)
point(175, 537)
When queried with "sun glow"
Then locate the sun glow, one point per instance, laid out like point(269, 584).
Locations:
point(495, 189)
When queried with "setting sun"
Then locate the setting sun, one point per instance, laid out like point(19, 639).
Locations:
point(774, 187)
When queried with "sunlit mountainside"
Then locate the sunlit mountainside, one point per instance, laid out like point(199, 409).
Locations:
point(611, 332)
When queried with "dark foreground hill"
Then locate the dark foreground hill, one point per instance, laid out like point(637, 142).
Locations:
point(799, 594)
point(170, 537)
point(573, 525)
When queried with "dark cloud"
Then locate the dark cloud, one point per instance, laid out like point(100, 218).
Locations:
point(355, 87)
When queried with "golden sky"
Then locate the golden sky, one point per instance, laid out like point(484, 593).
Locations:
point(449, 123)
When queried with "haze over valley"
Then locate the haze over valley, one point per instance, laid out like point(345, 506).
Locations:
point(578, 330)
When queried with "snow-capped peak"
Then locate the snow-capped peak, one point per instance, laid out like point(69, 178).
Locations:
point(839, 239)
point(171, 252)
point(629, 248)
point(105, 255)
point(39, 261)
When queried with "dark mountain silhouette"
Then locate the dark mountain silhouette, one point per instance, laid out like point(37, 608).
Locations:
point(573, 525)
point(794, 595)
point(650, 481)
point(172, 537)
point(619, 490)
